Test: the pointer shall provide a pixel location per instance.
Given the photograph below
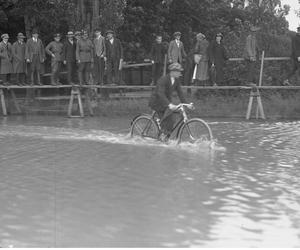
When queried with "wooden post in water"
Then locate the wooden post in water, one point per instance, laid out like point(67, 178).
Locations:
point(4, 111)
point(14, 99)
point(75, 93)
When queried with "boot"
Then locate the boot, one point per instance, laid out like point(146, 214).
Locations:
point(53, 80)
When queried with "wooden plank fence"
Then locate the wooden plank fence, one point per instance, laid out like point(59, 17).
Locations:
point(75, 91)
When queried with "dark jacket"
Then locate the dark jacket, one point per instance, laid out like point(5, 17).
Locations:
point(69, 51)
point(217, 53)
point(296, 47)
point(32, 47)
point(162, 94)
point(158, 52)
point(114, 51)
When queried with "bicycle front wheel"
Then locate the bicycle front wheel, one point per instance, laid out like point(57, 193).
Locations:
point(144, 126)
point(195, 130)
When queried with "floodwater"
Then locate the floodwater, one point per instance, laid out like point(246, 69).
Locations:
point(84, 183)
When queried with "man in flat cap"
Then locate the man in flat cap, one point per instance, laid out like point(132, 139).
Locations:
point(69, 57)
point(295, 57)
point(99, 57)
point(5, 59)
point(251, 54)
point(85, 58)
point(55, 50)
point(19, 63)
point(176, 52)
point(114, 58)
point(35, 56)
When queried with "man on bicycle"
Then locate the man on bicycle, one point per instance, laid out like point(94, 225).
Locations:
point(161, 99)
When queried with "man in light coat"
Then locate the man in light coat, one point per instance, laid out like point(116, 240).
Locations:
point(99, 57)
point(176, 52)
point(5, 59)
point(55, 50)
point(251, 53)
point(84, 57)
point(19, 64)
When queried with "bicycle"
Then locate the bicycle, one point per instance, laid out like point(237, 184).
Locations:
point(186, 129)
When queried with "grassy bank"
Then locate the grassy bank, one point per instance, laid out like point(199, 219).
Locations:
point(278, 104)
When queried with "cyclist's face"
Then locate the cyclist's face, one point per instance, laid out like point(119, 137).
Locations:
point(175, 74)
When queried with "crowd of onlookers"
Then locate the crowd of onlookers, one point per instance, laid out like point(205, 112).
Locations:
point(89, 60)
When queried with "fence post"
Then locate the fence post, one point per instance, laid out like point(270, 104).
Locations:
point(4, 111)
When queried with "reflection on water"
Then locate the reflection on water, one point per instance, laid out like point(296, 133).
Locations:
point(84, 183)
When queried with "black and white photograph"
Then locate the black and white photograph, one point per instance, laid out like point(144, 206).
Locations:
point(149, 124)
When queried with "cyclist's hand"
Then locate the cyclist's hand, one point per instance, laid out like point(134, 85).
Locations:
point(191, 106)
point(172, 106)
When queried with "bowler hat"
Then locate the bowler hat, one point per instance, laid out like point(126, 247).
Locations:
point(77, 33)
point(109, 32)
point(175, 67)
point(20, 35)
point(70, 34)
point(5, 36)
point(219, 34)
point(177, 33)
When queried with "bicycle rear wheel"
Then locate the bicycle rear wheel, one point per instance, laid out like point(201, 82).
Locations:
point(144, 126)
point(195, 130)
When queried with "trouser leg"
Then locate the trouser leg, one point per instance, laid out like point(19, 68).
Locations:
point(80, 73)
point(116, 71)
point(109, 72)
point(87, 72)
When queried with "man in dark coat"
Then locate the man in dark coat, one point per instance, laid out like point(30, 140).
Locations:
point(158, 52)
point(35, 56)
point(99, 57)
point(19, 64)
point(161, 99)
point(5, 59)
point(217, 57)
point(114, 58)
point(69, 57)
point(295, 57)
point(55, 50)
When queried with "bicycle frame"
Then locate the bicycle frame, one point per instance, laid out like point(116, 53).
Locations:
point(179, 123)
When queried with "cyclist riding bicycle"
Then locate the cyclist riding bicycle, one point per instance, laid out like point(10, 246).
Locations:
point(161, 99)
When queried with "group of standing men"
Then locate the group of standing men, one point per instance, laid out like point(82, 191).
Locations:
point(196, 63)
point(78, 53)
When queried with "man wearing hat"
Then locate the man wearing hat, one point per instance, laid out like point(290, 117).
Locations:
point(114, 58)
point(5, 59)
point(251, 53)
point(35, 56)
point(161, 99)
point(99, 57)
point(295, 57)
point(55, 50)
point(217, 57)
point(176, 52)
point(19, 64)
point(84, 57)
point(69, 57)
point(157, 53)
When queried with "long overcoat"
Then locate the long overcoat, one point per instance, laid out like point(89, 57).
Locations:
point(18, 54)
point(5, 58)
